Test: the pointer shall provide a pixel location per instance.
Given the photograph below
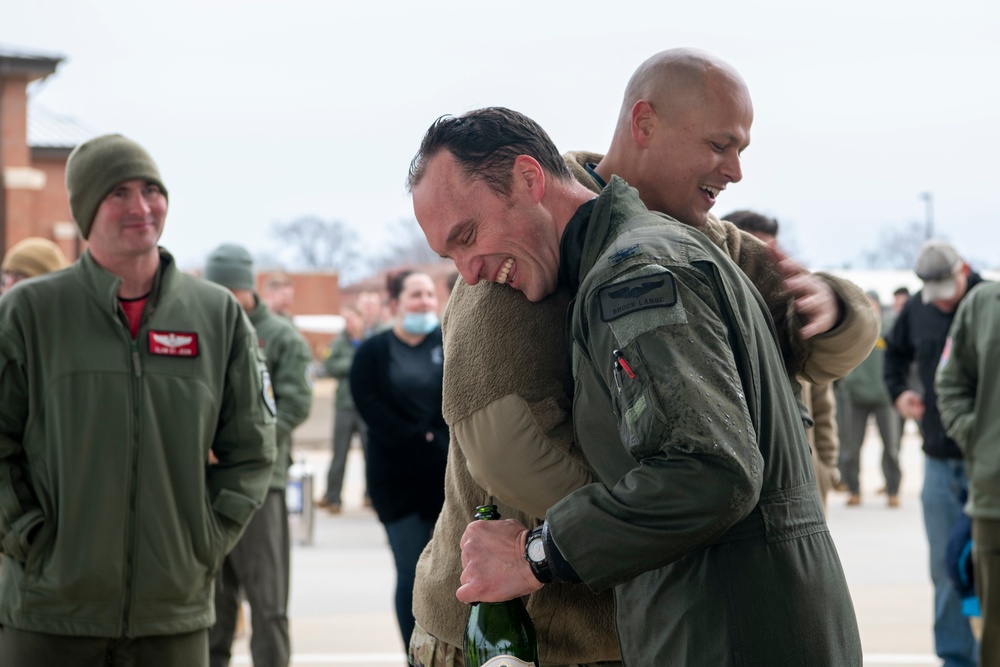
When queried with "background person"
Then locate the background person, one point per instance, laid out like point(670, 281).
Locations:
point(396, 384)
point(372, 309)
point(278, 294)
point(900, 296)
point(258, 565)
point(861, 395)
point(968, 391)
point(28, 258)
point(919, 336)
point(112, 521)
point(347, 421)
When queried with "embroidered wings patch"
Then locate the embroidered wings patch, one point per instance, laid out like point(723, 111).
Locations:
point(655, 291)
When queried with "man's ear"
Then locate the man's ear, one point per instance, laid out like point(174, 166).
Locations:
point(528, 177)
point(643, 121)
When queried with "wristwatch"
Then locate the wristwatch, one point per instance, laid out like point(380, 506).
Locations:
point(534, 553)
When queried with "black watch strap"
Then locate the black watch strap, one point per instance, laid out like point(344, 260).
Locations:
point(534, 544)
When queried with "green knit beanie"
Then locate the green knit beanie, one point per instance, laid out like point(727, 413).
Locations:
point(97, 166)
point(231, 266)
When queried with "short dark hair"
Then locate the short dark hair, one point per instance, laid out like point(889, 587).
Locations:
point(904, 291)
point(485, 142)
point(394, 282)
point(751, 221)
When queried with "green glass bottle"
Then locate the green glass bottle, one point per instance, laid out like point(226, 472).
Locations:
point(499, 634)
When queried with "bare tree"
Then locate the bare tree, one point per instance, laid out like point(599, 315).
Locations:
point(897, 247)
point(318, 243)
point(268, 260)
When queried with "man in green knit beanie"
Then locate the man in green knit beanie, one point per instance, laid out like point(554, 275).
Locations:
point(120, 375)
point(259, 563)
point(98, 166)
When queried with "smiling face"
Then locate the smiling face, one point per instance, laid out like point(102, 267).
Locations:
point(691, 148)
point(508, 240)
point(129, 221)
point(418, 295)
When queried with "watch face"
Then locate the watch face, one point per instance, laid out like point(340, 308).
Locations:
point(536, 550)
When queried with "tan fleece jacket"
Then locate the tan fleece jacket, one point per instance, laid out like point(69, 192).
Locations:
point(823, 437)
point(506, 401)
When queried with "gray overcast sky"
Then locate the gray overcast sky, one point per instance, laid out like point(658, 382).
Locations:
point(265, 110)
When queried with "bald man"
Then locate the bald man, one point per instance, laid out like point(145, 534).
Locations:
point(683, 125)
point(685, 119)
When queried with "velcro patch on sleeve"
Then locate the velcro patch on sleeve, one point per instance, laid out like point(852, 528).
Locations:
point(267, 392)
point(652, 291)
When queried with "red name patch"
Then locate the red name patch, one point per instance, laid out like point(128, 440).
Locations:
point(173, 343)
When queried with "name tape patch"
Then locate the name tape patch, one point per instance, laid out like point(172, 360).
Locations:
point(173, 343)
point(656, 291)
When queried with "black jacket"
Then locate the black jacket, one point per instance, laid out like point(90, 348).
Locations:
point(918, 336)
point(405, 472)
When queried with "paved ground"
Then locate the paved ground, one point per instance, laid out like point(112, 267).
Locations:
point(342, 584)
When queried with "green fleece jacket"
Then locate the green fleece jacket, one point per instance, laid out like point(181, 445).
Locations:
point(112, 520)
point(968, 395)
point(289, 360)
point(338, 366)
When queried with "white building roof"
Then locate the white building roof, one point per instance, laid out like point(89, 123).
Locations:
point(51, 130)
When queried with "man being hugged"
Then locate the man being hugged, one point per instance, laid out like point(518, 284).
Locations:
point(705, 517)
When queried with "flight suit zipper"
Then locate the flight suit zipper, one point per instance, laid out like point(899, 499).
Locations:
point(131, 538)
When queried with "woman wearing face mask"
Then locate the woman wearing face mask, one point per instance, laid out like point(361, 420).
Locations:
point(396, 384)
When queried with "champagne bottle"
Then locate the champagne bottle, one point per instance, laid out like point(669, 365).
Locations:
point(499, 634)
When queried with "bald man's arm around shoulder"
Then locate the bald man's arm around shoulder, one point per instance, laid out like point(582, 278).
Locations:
point(819, 357)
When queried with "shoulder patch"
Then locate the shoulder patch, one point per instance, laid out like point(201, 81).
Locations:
point(654, 291)
point(945, 354)
point(267, 393)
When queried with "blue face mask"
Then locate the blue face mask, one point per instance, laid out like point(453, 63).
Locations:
point(419, 324)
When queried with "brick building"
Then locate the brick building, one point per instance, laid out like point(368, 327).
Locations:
point(34, 145)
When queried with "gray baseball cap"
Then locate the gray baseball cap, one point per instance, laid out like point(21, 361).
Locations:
point(938, 264)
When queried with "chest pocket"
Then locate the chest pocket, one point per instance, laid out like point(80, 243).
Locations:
point(637, 403)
